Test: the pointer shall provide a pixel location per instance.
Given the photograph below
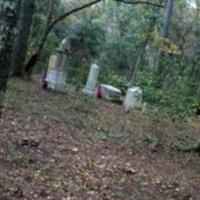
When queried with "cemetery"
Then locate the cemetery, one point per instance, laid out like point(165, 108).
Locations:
point(99, 100)
point(56, 80)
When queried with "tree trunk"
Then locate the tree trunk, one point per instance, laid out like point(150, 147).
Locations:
point(165, 34)
point(30, 63)
point(138, 61)
point(167, 18)
point(20, 45)
point(8, 19)
point(135, 68)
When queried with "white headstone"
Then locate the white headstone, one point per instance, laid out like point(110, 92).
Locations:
point(133, 99)
point(56, 75)
point(92, 79)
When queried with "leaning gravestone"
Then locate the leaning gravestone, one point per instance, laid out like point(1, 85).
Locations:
point(133, 99)
point(92, 80)
point(110, 93)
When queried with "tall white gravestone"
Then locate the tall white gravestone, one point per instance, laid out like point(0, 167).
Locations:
point(92, 79)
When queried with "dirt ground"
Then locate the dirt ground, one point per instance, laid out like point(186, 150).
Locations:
point(73, 147)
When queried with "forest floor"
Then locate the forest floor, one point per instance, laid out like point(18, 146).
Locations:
point(73, 147)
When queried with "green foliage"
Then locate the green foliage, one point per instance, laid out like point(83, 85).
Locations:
point(117, 81)
point(176, 100)
point(84, 45)
point(84, 49)
point(103, 135)
point(79, 123)
point(39, 22)
point(15, 157)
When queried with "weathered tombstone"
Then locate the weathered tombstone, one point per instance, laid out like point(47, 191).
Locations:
point(133, 99)
point(56, 75)
point(56, 80)
point(92, 80)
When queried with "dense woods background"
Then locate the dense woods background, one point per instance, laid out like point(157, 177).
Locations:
point(152, 44)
